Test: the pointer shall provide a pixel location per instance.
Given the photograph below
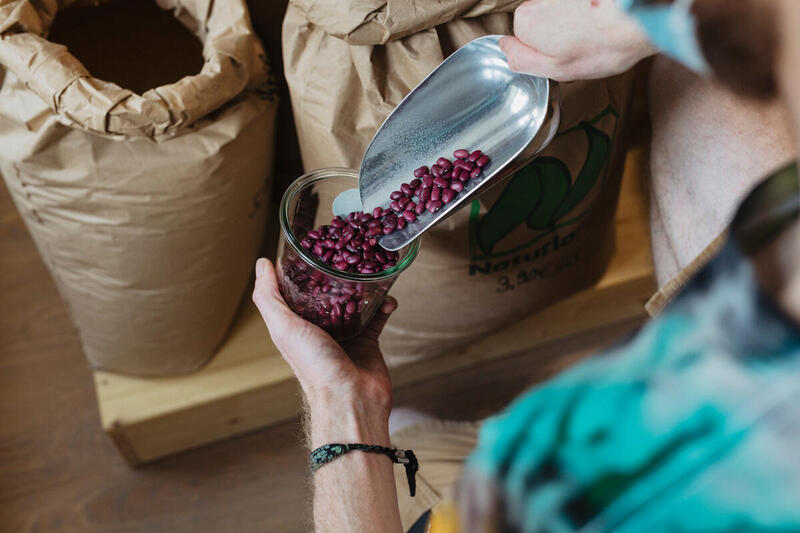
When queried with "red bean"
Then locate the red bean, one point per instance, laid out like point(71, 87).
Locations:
point(456, 186)
point(482, 161)
point(353, 259)
point(409, 215)
point(448, 195)
point(427, 180)
point(415, 183)
point(424, 194)
point(474, 156)
point(306, 243)
point(387, 230)
point(461, 154)
point(420, 208)
point(407, 190)
point(411, 206)
point(403, 202)
point(337, 223)
point(421, 171)
point(396, 195)
point(377, 212)
point(436, 193)
point(327, 256)
point(318, 251)
point(350, 308)
point(401, 223)
point(441, 182)
point(456, 173)
point(434, 205)
point(475, 172)
point(444, 163)
point(395, 206)
point(390, 221)
point(436, 170)
point(314, 234)
point(464, 165)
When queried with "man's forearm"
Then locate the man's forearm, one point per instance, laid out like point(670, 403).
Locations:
point(356, 492)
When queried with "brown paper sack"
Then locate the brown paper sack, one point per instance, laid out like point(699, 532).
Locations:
point(148, 209)
point(526, 243)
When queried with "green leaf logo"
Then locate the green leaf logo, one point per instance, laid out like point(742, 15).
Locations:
point(511, 209)
point(596, 159)
point(543, 192)
point(555, 178)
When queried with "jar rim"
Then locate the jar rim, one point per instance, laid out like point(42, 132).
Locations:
point(303, 182)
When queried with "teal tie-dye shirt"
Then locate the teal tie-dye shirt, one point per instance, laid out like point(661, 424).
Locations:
point(693, 425)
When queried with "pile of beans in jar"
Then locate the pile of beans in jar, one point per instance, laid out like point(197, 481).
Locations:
point(351, 244)
point(338, 306)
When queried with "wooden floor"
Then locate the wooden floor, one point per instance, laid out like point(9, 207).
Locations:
point(60, 473)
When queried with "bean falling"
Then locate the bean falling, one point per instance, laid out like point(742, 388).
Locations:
point(350, 244)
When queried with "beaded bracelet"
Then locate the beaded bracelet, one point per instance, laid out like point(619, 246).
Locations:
point(327, 453)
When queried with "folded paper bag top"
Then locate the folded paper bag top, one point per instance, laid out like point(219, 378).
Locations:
point(373, 22)
point(234, 61)
point(149, 209)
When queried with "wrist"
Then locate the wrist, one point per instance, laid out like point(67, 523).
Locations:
point(346, 419)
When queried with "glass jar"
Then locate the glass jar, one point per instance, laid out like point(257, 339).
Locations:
point(341, 303)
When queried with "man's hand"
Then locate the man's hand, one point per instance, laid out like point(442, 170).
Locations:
point(341, 381)
point(569, 40)
point(349, 398)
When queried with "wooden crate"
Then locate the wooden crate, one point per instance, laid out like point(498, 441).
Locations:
point(247, 385)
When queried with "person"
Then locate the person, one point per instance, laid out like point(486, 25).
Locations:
point(688, 426)
point(714, 137)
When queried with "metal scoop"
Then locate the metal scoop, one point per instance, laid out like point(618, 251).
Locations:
point(473, 100)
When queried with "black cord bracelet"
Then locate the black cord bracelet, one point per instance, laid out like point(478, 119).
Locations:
point(327, 453)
